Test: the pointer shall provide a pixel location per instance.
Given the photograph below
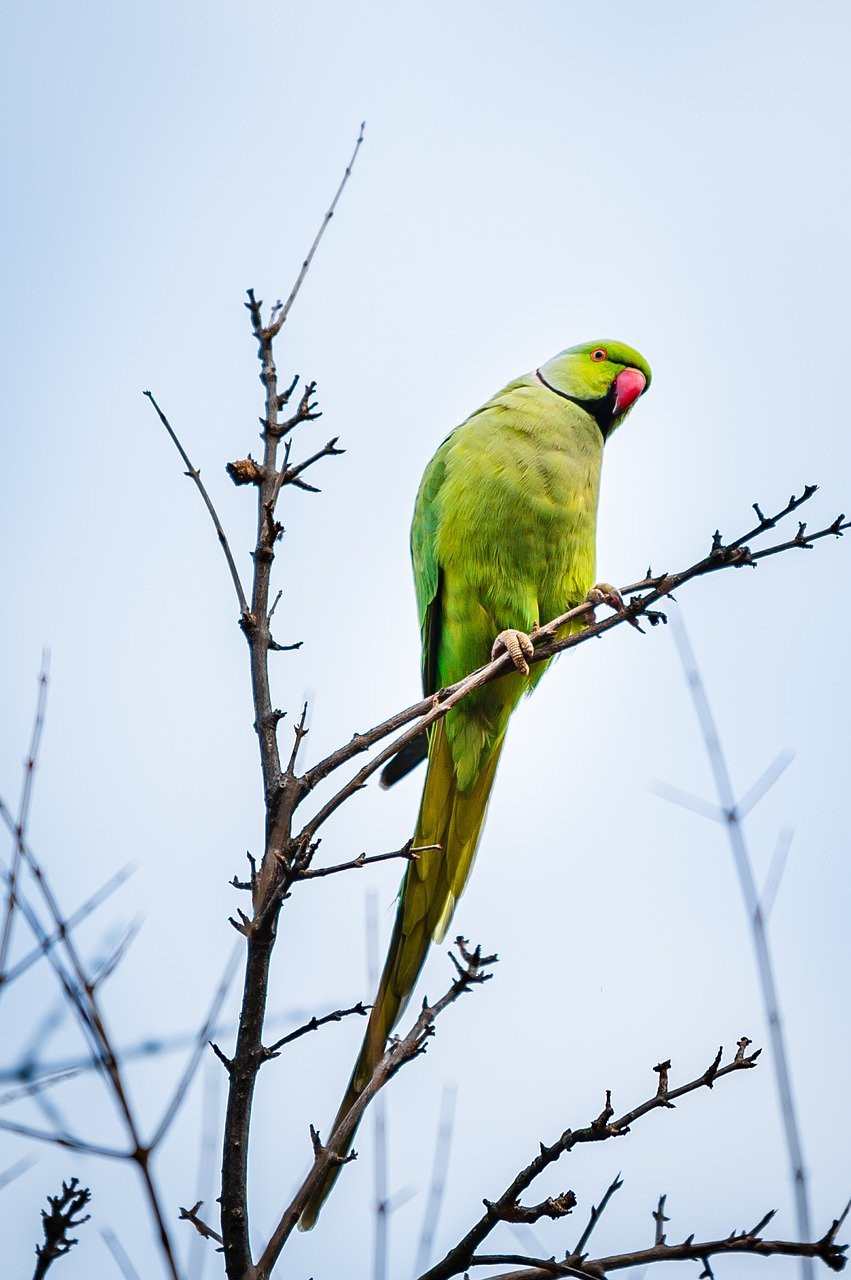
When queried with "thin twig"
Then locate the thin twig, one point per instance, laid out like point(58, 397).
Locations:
point(284, 311)
point(195, 476)
point(597, 1211)
point(314, 1024)
point(23, 815)
point(205, 1231)
point(407, 853)
point(201, 1040)
point(76, 917)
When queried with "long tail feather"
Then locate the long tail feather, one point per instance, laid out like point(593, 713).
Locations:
point(452, 820)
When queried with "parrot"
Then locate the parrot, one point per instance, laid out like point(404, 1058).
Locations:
point(502, 541)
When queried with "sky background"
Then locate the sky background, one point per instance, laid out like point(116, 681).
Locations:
point(533, 176)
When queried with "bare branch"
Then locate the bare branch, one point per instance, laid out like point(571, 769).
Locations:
point(191, 1215)
point(597, 1212)
point(284, 311)
point(471, 973)
point(195, 476)
point(645, 594)
point(459, 1258)
point(313, 1025)
point(407, 854)
point(747, 884)
point(201, 1040)
point(77, 917)
point(23, 815)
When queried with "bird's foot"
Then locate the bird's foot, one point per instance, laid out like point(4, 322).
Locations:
point(517, 645)
point(605, 593)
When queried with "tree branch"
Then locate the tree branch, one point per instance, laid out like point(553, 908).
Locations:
point(62, 1218)
point(195, 476)
point(645, 594)
point(471, 972)
point(459, 1258)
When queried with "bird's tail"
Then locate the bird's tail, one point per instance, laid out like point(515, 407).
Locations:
point(451, 820)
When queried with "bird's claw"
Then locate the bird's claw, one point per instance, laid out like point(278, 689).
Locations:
point(517, 645)
point(605, 593)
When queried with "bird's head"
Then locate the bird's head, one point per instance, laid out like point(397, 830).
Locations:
point(604, 378)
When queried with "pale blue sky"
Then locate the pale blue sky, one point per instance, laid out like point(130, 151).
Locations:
point(533, 176)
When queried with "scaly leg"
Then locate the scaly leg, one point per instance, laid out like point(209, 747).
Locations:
point(517, 645)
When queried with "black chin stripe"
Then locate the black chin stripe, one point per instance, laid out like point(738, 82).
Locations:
point(601, 410)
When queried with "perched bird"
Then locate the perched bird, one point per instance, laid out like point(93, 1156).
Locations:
point(502, 540)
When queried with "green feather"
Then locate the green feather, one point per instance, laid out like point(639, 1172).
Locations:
point(503, 536)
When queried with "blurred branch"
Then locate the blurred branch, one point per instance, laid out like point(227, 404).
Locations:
point(62, 1218)
point(201, 1041)
point(80, 992)
point(733, 814)
point(21, 824)
point(437, 1185)
point(206, 1165)
point(16, 1170)
point(191, 1215)
point(76, 917)
point(119, 1253)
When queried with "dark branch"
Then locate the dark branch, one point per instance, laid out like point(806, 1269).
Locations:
point(472, 972)
point(195, 476)
point(458, 1259)
point(645, 594)
point(313, 1025)
point(63, 1217)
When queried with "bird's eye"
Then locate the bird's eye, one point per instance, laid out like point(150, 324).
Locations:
point(599, 354)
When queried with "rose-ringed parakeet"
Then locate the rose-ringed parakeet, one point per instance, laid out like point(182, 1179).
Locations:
point(502, 540)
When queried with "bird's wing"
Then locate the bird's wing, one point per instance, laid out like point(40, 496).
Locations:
point(427, 576)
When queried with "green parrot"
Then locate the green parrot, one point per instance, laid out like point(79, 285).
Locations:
point(502, 540)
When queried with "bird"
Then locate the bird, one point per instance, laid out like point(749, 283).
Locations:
point(503, 539)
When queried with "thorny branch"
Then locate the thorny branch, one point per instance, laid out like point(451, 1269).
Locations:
point(605, 1126)
point(471, 971)
point(826, 1249)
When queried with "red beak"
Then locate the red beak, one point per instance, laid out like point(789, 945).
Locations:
point(629, 385)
